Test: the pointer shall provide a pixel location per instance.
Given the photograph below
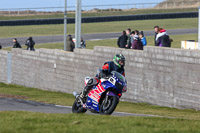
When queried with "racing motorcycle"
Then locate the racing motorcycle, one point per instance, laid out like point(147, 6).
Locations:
point(102, 98)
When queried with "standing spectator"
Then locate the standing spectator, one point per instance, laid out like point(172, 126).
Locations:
point(137, 44)
point(30, 44)
point(0, 46)
point(136, 32)
point(128, 32)
point(143, 38)
point(70, 44)
point(122, 40)
point(132, 36)
point(83, 43)
point(156, 29)
point(16, 43)
point(162, 38)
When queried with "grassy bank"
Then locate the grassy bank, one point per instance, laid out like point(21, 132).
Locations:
point(99, 13)
point(23, 122)
point(107, 27)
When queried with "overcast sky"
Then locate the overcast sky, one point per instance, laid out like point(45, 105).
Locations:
point(57, 3)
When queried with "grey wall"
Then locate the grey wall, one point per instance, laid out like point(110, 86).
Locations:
point(3, 66)
point(162, 76)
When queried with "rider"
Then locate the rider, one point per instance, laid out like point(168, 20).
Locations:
point(117, 64)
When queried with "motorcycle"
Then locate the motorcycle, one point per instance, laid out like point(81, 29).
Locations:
point(102, 98)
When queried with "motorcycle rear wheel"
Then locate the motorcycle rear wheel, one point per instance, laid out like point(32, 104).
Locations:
point(77, 107)
point(107, 107)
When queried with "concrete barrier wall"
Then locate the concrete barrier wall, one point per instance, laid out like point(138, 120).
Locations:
point(3, 66)
point(162, 76)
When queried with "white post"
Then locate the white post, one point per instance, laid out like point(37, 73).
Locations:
point(199, 31)
point(78, 23)
point(65, 26)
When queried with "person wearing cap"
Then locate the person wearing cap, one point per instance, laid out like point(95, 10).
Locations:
point(143, 38)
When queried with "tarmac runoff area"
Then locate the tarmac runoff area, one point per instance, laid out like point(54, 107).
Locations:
point(13, 104)
point(7, 42)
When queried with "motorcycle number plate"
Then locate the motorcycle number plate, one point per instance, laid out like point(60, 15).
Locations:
point(112, 80)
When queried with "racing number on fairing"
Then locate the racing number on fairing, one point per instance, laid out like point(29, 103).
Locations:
point(112, 80)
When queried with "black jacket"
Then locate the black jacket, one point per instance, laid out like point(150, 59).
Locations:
point(163, 41)
point(17, 45)
point(113, 67)
point(122, 41)
point(155, 38)
point(30, 45)
point(0, 47)
point(129, 41)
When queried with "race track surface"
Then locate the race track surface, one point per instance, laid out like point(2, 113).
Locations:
point(13, 104)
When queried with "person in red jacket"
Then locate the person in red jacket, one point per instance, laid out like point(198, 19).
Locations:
point(117, 65)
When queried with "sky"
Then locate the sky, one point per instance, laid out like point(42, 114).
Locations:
point(58, 3)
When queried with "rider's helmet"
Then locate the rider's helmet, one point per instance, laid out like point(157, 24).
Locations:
point(119, 58)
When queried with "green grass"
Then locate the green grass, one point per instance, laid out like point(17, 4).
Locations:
point(186, 121)
point(37, 95)
point(67, 99)
point(103, 13)
point(24, 122)
point(106, 27)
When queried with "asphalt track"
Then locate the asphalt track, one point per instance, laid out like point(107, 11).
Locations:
point(6, 42)
point(13, 104)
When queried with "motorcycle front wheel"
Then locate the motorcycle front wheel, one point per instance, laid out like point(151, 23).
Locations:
point(108, 105)
point(77, 107)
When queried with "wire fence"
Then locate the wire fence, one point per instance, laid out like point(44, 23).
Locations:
point(99, 8)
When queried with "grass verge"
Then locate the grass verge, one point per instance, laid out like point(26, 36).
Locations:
point(23, 122)
point(43, 30)
point(16, 91)
point(96, 14)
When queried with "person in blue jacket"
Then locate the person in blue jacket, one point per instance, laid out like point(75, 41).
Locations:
point(143, 38)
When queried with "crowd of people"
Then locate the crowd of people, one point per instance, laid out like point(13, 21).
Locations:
point(132, 40)
point(129, 40)
point(136, 40)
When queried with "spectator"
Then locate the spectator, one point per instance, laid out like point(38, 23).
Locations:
point(0, 46)
point(16, 43)
point(143, 38)
point(83, 43)
point(162, 38)
point(136, 32)
point(122, 40)
point(156, 29)
point(137, 44)
point(128, 32)
point(30, 44)
point(132, 36)
point(70, 44)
